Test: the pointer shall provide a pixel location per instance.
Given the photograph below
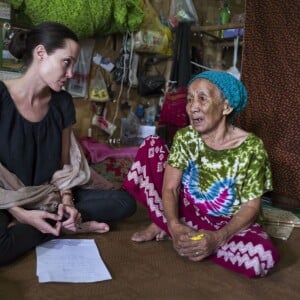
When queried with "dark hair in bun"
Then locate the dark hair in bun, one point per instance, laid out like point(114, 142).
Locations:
point(51, 35)
point(17, 45)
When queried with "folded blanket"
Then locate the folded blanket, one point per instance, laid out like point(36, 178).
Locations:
point(97, 152)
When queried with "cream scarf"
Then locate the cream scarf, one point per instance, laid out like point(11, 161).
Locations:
point(46, 196)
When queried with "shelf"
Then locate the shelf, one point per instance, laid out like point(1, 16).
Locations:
point(210, 31)
point(216, 27)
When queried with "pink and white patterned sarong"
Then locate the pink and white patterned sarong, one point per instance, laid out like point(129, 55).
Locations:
point(250, 252)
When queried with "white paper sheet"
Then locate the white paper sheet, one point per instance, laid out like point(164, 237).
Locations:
point(70, 260)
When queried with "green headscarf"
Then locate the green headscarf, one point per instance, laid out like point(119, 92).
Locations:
point(233, 89)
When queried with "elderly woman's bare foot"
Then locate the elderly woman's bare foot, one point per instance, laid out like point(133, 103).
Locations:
point(150, 233)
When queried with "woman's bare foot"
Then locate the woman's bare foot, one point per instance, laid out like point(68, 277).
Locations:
point(150, 233)
point(93, 227)
point(89, 227)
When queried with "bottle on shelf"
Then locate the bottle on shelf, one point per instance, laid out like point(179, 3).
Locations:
point(224, 15)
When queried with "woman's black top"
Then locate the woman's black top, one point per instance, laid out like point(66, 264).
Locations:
point(32, 150)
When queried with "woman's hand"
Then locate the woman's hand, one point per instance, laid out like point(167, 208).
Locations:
point(38, 219)
point(72, 217)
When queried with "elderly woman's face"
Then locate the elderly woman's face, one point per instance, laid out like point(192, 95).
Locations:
point(205, 106)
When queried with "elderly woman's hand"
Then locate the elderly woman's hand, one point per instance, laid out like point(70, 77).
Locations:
point(179, 232)
point(202, 245)
point(195, 245)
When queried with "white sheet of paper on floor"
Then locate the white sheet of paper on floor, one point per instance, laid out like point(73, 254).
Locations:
point(70, 260)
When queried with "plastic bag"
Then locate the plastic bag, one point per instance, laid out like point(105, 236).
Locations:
point(129, 130)
point(151, 85)
point(182, 11)
point(78, 84)
point(153, 36)
point(98, 91)
point(122, 65)
point(103, 124)
point(233, 70)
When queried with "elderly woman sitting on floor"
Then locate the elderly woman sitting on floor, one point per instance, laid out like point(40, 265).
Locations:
point(206, 193)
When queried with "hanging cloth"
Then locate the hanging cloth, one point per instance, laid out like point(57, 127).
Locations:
point(181, 68)
point(173, 113)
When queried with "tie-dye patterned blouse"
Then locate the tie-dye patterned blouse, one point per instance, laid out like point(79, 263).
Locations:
point(217, 182)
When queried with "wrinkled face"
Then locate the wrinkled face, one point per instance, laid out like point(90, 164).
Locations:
point(205, 106)
point(55, 69)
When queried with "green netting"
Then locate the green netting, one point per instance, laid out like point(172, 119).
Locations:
point(86, 17)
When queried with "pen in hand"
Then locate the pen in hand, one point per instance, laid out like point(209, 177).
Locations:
point(197, 237)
